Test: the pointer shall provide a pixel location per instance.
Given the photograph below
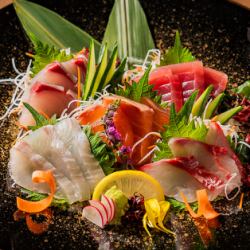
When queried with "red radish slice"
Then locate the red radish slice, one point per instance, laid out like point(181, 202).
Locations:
point(102, 208)
point(106, 202)
point(112, 205)
point(94, 215)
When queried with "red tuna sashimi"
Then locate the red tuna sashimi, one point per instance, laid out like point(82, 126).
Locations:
point(54, 73)
point(47, 99)
point(213, 158)
point(176, 93)
point(217, 78)
point(160, 76)
point(174, 179)
point(215, 136)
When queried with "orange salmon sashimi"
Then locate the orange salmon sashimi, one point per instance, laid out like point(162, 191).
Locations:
point(132, 120)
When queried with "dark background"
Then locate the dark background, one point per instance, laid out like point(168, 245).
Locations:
point(214, 30)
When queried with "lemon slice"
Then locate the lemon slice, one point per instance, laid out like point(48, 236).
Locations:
point(130, 182)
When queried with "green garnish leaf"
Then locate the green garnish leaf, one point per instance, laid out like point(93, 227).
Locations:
point(178, 206)
point(105, 72)
point(45, 54)
point(180, 126)
point(101, 151)
point(39, 119)
point(51, 28)
point(244, 89)
point(60, 203)
point(177, 54)
point(136, 91)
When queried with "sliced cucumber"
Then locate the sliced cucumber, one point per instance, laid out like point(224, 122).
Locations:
point(99, 72)
point(91, 69)
point(225, 116)
point(199, 105)
point(117, 76)
point(187, 107)
point(212, 106)
point(110, 70)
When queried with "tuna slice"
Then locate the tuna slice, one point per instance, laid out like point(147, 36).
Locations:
point(62, 148)
point(217, 78)
point(47, 99)
point(177, 82)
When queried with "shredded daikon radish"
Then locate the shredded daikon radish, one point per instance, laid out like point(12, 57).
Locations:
point(21, 82)
point(229, 183)
point(143, 138)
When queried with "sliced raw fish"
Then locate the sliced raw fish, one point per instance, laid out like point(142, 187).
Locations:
point(78, 145)
point(47, 99)
point(214, 159)
point(215, 136)
point(71, 66)
point(217, 78)
point(25, 161)
point(174, 179)
point(54, 73)
point(62, 148)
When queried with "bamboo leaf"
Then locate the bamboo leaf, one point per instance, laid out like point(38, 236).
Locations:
point(128, 28)
point(50, 28)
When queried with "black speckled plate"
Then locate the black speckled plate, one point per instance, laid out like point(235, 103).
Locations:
point(216, 32)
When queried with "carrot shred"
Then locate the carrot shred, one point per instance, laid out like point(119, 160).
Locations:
point(241, 200)
point(29, 55)
point(44, 114)
point(39, 227)
point(38, 206)
point(78, 84)
point(204, 206)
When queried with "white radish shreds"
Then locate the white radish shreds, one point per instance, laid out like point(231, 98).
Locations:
point(84, 104)
point(230, 182)
point(143, 138)
point(20, 82)
point(152, 58)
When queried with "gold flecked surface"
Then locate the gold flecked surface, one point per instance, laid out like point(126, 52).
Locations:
point(216, 32)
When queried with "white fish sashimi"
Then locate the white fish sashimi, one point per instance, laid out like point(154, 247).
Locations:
point(80, 148)
point(92, 169)
point(26, 161)
point(64, 148)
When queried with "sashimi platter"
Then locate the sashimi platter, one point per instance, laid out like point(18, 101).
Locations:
point(114, 136)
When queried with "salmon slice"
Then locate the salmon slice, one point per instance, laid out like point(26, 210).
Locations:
point(132, 120)
point(161, 116)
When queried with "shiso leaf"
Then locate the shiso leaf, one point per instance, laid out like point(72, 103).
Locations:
point(60, 203)
point(244, 89)
point(39, 118)
point(101, 151)
point(177, 54)
point(136, 91)
point(45, 54)
point(179, 126)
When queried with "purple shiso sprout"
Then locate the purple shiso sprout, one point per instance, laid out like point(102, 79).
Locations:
point(125, 150)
